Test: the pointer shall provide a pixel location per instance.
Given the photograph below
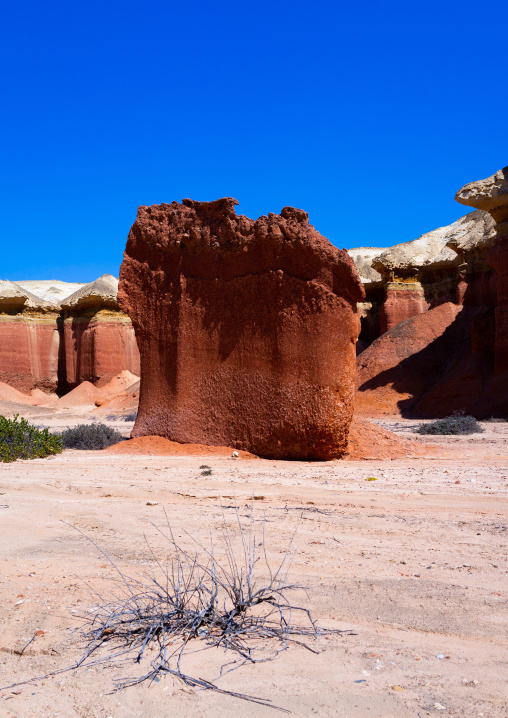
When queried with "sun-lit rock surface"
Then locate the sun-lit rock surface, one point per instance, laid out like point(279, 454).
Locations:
point(54, 335)
point(246, 329)
point(52, 290)
point(98, 338)
point(29, 339)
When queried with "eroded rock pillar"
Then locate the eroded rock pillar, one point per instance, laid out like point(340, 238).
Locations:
point(246, 329)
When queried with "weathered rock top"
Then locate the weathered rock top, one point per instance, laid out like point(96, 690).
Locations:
point(15, 298)
point(362, 257)
point(100, 293)
point(52, 290)
point(438, 248)
point(490, 194)
point(203, 234)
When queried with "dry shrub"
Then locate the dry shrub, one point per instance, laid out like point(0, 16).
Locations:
point(220, 595)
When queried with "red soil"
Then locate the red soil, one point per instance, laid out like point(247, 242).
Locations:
point(369, 441)
point(366, 441)
point(159, 446)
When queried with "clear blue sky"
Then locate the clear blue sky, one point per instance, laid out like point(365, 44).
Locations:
point(368, 115)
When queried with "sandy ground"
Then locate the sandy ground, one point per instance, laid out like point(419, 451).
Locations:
point(415, 564)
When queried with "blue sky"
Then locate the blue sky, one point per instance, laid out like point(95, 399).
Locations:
point(370, 116)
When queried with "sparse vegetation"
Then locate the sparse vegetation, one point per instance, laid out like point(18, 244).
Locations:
point(220, 595)
point(21, 440)
point(457, 423)
point(90, 437)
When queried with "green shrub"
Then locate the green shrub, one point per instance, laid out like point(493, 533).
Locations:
point(90, 437)
point(457, 423)
point(21, 440)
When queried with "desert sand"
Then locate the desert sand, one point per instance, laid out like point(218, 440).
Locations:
point(414, 564)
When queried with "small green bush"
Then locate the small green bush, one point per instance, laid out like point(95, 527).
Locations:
point(457, 423)
point(90, 437)
point(21, 440)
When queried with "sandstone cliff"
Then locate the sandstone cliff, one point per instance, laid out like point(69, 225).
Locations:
point(28, 339)
point(54, 335)
point(448, 264)
point(445, 314)
point(98, 338)
point(491, 195)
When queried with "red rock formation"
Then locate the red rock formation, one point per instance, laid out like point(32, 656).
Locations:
point(445, 265)
point(28, 340)
point(402, 300)
point(49, 347)
point(432, 365)
point(491, 195)
point(246, 329)
point(98, 338)
point(400, 366)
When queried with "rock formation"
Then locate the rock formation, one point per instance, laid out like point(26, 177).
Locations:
point(28, 339)
point(445, 265)
point(491, 195)
point(452, 351)
point(369, 310)
point(52, 290)
point(98, 338)
point(246, 329)
point(52, 341)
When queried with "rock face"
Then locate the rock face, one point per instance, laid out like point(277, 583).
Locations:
point(54, 344)
point(452, 351)
point(98, 338)
point(246, 329)
point(431, 365)
point(369, 311)
point(445, 265)
point(29, 339)
point(52, 290)
point(491, 195)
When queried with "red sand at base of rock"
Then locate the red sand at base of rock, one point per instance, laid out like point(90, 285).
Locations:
point(9, 393)
point(370, 441)
point(159, 446)
point(366, 441)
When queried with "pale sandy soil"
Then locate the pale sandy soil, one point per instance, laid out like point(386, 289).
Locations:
point(414, 563)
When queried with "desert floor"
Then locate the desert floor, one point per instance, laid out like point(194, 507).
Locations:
point(415, 564)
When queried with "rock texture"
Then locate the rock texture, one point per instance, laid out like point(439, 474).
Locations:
point(246, 329)
point(98, 338)
point(491, 195)
point(28, 339)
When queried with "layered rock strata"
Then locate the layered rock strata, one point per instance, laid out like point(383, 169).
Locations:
point(54, 344)
point(445, 265)
point(29, 339)
point(491, 195)
point(246, 329)
point(98, 340)
point(452, 353)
